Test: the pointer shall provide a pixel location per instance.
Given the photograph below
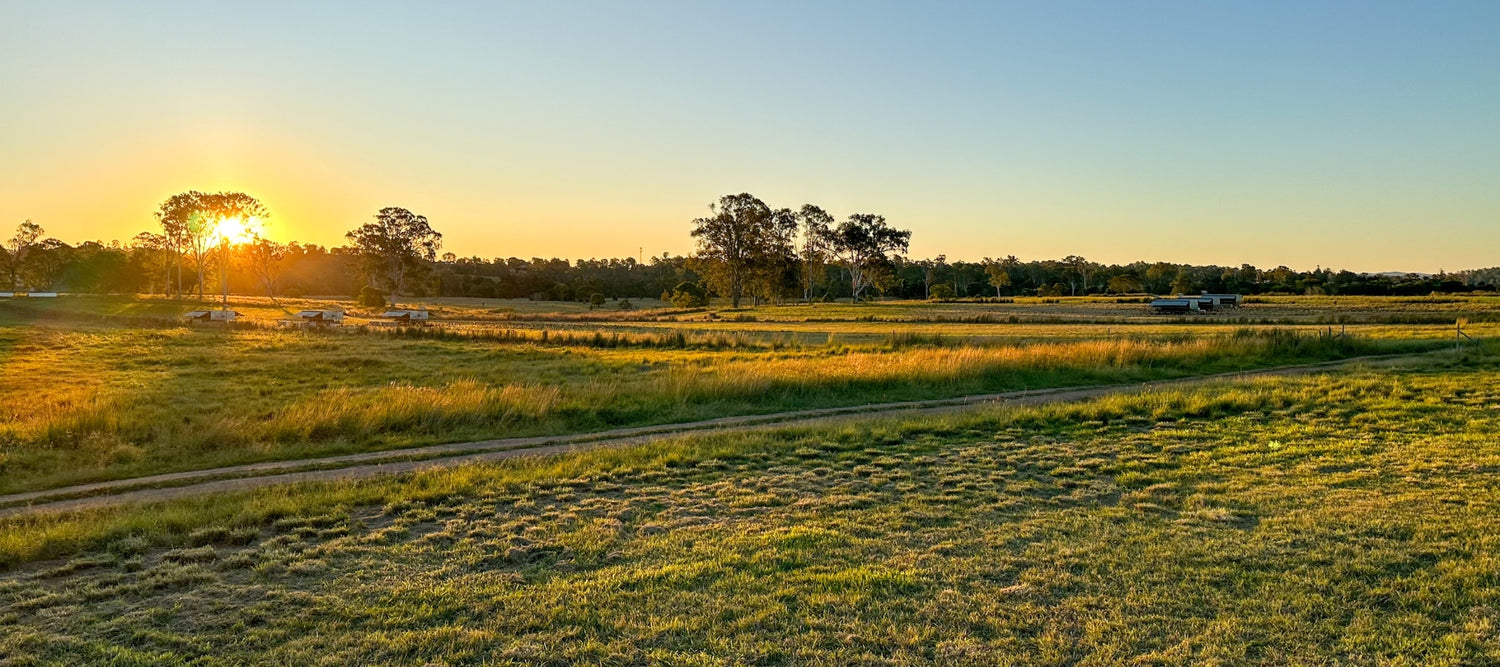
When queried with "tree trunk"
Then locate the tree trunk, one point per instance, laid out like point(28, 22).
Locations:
point(736, 290)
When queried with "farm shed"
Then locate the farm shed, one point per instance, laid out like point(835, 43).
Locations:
point(1223, 300)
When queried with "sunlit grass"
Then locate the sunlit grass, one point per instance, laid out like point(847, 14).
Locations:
point(88, 402)
point(1313, 520)
point(363, 413)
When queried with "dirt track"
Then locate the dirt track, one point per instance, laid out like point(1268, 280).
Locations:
point(372, 464)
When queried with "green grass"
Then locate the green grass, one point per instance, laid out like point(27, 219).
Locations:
point(86, 402)
point(1336, 519)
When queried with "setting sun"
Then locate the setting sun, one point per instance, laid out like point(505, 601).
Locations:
point(236, 231)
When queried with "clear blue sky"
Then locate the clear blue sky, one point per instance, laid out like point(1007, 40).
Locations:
point(1363, 135)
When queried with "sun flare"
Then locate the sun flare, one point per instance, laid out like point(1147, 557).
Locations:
point(236, 230)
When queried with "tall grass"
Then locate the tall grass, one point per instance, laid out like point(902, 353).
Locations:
point(937, 368)
point(199, 399)
point(361, 413)
point(592, 339)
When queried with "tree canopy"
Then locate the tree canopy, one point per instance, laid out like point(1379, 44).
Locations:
point(190, 225)
point(395, 247)
point(21, 258)
point(740, 236)
point(862, 240)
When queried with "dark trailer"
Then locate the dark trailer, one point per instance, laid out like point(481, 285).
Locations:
point(1166, 306)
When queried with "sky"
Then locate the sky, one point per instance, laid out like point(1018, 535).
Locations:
point(1359, 135)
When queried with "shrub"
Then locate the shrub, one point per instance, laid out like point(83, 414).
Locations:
point(595, 300)
point(941, 292)
point(688, 295)
point(372, 297)
point(625, 305)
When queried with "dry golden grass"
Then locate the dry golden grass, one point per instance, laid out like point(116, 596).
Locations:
point(88, 402)
point(363, 412)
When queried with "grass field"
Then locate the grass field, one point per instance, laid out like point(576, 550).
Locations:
point(85, 399)
point(1334, 519)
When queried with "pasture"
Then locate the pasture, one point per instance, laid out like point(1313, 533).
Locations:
point(1341, 518)
point(109, 388)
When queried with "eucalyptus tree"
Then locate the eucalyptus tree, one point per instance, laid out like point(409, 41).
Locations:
point(264, 257)
point(180, 218)
point(815, 224)
point(192, 222)
point(862, 241)
point(775, 271)
point(20, 251)
point(734, 241)
point(151, 252)
point(1080, 268)
point(999, 272)
point(396, 246)
point(932, 270)
point(220, 208)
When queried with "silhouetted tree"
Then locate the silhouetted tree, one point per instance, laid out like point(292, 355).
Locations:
point(218, 208)
point(189, 228)
point(20, 252)
point(395, 247)
point(174, 216)
point(154, 256)
point(263, 257)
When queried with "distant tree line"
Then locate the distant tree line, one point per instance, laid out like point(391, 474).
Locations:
point(746, 251)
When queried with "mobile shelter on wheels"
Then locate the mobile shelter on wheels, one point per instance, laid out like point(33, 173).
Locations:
point(1168, 306)
point(318, 318)
point(211, 316)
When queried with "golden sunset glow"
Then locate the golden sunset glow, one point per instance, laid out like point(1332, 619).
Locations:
point(1327, 146)
point(235, 231)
